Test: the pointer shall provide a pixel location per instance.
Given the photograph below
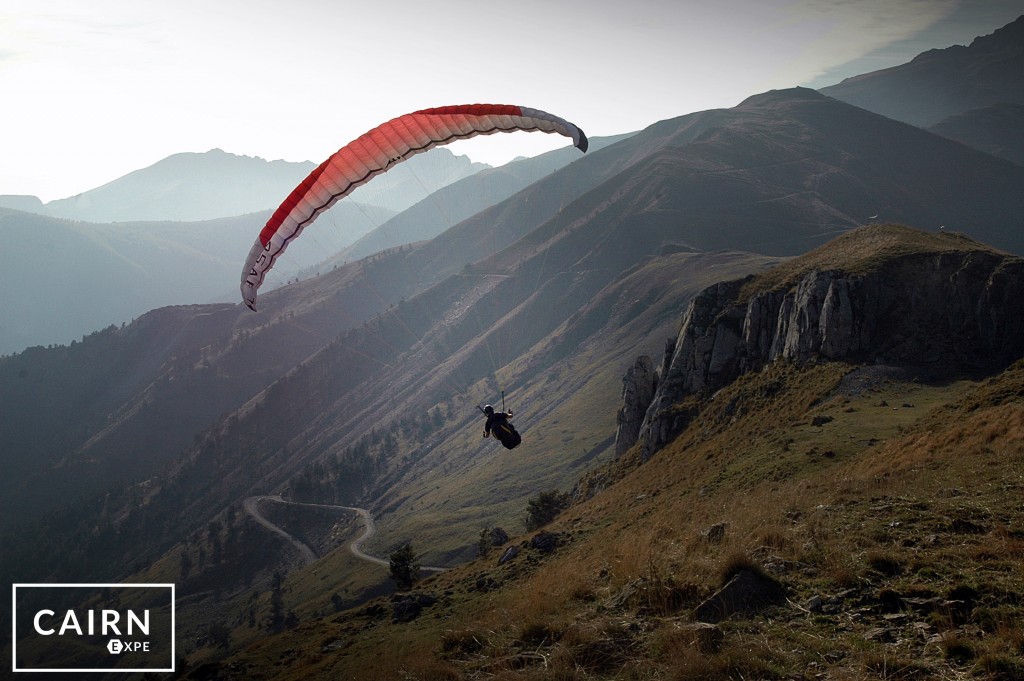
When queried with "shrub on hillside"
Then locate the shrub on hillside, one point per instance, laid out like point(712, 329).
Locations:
point(543, 508)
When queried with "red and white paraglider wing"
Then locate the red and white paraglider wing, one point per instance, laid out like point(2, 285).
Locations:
point(375, 152)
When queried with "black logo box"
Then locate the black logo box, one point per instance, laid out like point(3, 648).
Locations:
point(89, 646)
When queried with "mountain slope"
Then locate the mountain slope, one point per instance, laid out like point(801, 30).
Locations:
point(996, 130)
point(785, 171)
point(886, 510)
point(896, 553)
point(942, 83)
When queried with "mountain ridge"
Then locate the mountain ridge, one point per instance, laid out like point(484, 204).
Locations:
point(944, 82)
point(196, 187)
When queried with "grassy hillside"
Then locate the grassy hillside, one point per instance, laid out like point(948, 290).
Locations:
point(888, 510)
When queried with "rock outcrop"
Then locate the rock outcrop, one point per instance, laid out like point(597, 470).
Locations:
point(747, 593)
point(638, 386)
point(943, 313)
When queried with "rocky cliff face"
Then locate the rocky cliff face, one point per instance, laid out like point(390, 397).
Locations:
point(940, 313)
point(638, 386)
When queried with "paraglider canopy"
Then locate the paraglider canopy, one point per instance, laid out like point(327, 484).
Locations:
point(374, 153)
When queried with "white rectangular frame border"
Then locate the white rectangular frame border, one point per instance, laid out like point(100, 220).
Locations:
point(14, 628)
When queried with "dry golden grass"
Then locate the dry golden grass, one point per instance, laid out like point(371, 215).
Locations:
point(862, 249)
point(984, 434)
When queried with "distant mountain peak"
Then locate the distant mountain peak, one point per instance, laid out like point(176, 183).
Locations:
point(1010, 35)
point(195, 186)
point(941, 83)
point(784, 95)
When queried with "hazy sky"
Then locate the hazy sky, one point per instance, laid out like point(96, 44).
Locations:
point(90, 91)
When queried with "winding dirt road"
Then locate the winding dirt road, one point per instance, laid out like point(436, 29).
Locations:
point(307, 554)
point(250, 505)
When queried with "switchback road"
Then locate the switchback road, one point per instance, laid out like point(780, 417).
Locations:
point(308, 556)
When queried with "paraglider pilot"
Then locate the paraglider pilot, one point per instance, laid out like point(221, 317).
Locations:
point(497, 422)
point(494, 418)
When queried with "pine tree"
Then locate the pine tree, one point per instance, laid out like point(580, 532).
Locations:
point(404, 567)
point(276, 621)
